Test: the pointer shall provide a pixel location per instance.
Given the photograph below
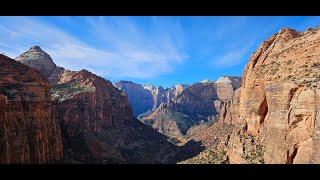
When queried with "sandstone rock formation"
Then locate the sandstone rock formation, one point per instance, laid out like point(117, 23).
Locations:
point(28, 133)
point(275, 113)
point(229, 113)
point(279, 96)
point(140, 98)
point(36, 58)
point(161, 95)
point(169, 122)
point(147, 98)
point(198, 103)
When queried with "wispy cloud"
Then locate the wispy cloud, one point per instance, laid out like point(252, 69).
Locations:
point(230, 58)
point(234, 55)
point(127, 51)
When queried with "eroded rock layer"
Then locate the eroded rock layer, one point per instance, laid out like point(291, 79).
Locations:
point(197, 104)
point(278, 105)
point(28, 133)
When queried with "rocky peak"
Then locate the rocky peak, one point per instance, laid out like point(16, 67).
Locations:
point(35, 48)
point(129, 82)
point(36, 58)
point(234, 81)
point(206, 81)
point(149, 87)
point(288, 33)
point(160, 89)
point(180, 88)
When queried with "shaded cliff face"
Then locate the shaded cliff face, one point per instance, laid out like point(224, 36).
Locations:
point(279, 100)
point(98, 126)
point(140, 98)
point(88, 102)
point(145, 99)
point(200, 102)
point(229, 113)
point(28, 134)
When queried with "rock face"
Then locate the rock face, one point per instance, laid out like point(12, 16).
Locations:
point(161, 95)
point(97, 123)
point(147, 98)
point(169, 122)
point(200, 102)
point(279, 101)
point(28, 133)
point(36, 58)
point(140, 98)
point(229, 113)
point(86, 101)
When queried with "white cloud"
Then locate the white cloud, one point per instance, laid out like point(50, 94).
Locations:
point(127, 50)
point(230, 58)
point(235, 54)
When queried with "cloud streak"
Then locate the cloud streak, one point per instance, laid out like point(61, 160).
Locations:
point(126, 50)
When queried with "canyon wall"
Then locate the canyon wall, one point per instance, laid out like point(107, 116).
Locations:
point(28, 133)
point(278, 106)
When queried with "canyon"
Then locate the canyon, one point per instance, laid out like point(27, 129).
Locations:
point(93, 118)
point(270, 115)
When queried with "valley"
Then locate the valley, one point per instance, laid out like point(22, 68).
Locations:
point(269, 115)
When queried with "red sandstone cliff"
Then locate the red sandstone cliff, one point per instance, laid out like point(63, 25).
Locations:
point(28, 134)
point(278, 106)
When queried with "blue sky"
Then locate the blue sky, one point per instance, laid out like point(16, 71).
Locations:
point(147, 50)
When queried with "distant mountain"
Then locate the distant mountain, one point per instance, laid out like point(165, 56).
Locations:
point(198, 103)
point(140, 98)
point(147, 98)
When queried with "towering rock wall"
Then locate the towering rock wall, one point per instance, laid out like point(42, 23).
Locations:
point(279, 100)
point(28, 133)
point(140, 98)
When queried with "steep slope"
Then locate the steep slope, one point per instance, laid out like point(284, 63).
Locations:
point(36, 58)
point(169, 122)
point(140, 98)
point(200, 102)
point(28, 134)
point(276, 112)
point(281, 82)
